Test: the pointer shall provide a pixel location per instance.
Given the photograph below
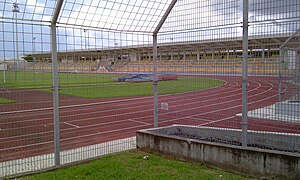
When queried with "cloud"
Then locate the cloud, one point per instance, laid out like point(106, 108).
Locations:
point(271, 10)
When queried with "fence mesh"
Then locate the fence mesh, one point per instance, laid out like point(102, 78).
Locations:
point(105, 68)
point(204, 47)
point(277, 24)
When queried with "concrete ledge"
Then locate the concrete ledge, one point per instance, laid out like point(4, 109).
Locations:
point(245, 160)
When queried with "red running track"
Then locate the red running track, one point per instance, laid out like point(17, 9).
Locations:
point(29, 131)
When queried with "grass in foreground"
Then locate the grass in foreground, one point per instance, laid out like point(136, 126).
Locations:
point(130, 165)
point(6, 101)
point(102, 86)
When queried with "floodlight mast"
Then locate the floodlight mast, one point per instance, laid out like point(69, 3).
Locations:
point(155, 79)
point(33, 45)
point(55, 82)
point(16, 10)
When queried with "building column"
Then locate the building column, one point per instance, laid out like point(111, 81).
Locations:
point(139, 56)
point(198, 55)
point(263, 53)
point(133, 56)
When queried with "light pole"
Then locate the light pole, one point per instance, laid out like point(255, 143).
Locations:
point(85, 30)
point(4, 72)
point(33, 48)
point(16, 10)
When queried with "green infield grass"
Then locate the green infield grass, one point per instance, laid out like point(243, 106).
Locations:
point(6, 101)
point(102, 86)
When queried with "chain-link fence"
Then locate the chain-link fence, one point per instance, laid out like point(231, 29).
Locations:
point(78, 78)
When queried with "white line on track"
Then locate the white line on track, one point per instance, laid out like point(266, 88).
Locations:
point(198, 99)
point(141, 122)
point(71, 124)
point(162, 113)
point(5, 90)
point(194, 115)
point(218, 110)
point(175, 119)
point(211, 122)
point(96, 103)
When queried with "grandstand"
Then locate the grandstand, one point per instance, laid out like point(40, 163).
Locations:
point(211, 56)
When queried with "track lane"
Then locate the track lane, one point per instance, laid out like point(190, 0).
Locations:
point(98, 121)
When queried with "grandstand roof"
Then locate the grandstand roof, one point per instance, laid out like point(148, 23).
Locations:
point(224, 44)
point(255, 42)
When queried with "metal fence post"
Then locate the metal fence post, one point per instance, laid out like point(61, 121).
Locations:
point(281, 59)
point(245, 74)
point(55, 96)
point(155, 81)
point(155, 84)
point(55, 83)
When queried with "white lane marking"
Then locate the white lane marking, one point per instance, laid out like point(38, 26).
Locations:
point(5, 90)
point(211, 122)
point(122, 108)
point(172, 112)
point(141, 122)
point(71, 124)
point(176, 118)
point(98, 103)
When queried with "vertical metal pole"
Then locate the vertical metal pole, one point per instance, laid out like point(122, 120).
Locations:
point(17, 46)
point(55, 95)
point(245, 74)
point(155, 84)
point(33, 47)
point(4, 72)
point(14, 51)
point(55, 83)
point(15, 10)
point(155, 81)
point(281, 59)
point(297, 73)
point(297, 67)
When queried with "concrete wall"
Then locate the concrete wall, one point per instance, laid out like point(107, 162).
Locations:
point(245, 160)
point(283, 141)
